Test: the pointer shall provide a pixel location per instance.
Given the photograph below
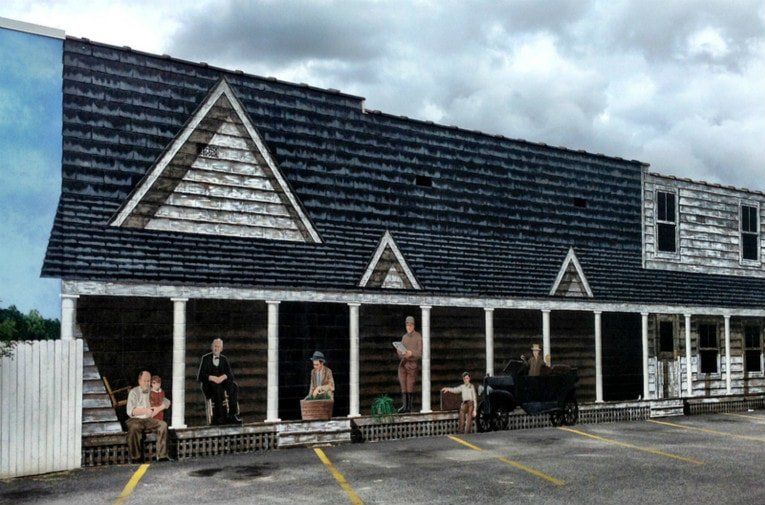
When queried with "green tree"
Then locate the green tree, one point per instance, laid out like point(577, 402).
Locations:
point(16, 326)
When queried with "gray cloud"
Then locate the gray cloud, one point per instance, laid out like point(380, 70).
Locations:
point(675, 84)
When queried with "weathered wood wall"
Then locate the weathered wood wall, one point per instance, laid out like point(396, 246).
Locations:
point(708, 228)
point(379, 326)
point(219, 184)
point(708, 384)
point(243, 326)
point(131, 334)
point(303, 329)
point(127, 335)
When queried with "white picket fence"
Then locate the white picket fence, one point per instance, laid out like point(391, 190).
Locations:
point(41, 408)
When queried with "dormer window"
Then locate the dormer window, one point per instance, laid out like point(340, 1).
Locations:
point(666, 221)
point(750, 233)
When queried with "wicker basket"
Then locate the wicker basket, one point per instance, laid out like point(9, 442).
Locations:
point(316, 410)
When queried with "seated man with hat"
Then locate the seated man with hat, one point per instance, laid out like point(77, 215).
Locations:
point(321, 377)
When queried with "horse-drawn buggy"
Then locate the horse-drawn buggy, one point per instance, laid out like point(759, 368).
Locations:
point(552, 392)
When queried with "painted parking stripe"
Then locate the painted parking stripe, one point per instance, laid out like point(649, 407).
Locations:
point(707, 430)
point(514, 464)
point(352, 496)
point(649, 450)
point(132, 483)
point(751, 417)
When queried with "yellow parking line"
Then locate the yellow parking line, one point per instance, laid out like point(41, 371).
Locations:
point(132, 483)
point(706, 430)
point(750, 416)
point(636, 447)
point(514, 464)
point(352, 496)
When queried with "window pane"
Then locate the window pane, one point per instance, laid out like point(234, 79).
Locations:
point(667, 237)
point(752, 337)
point(666, 337)
point(708, 336)
point(744, 218)
point(752, 361)
point(661, 205)
point(749, 221)
point(749, 246)
point(671, 207)
point(708, 361)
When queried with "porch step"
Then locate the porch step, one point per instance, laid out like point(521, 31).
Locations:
point(98, 415)
point(667, 408)
point(307, 433)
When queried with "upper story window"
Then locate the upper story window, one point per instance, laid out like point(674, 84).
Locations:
point(666, 221)
point(750, 233)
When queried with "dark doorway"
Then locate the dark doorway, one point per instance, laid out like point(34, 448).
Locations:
point(303, 329)
point(622, 356)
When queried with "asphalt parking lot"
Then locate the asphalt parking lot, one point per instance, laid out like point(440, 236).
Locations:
point(717, 458)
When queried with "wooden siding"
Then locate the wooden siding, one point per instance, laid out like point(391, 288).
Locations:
point(41, 408)
point(709, 240)
point(218, 166)
point(704, 384)
point(242, 326)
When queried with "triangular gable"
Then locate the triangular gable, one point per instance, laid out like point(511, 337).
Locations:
point(218, 178)
point(571, 280)
point(388, 268)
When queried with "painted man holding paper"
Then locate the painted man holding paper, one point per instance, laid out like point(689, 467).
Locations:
point(410, 352)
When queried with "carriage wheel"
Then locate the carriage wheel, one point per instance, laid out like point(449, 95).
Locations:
point(482, 422)
point(501, 419)
point(556, 417)
point(570, 411)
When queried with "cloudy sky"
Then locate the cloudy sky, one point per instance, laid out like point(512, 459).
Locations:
point(679, 84)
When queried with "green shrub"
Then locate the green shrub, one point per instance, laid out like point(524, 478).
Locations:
point(382, 409)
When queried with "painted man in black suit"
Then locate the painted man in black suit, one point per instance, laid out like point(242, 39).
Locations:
point(217, 378)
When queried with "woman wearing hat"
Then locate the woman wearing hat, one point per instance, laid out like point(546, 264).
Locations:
point(469, 402)
point(536, 362)
point(321, 377)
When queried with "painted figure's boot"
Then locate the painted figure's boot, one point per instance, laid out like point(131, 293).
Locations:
point(410, 407)
point(404, 403)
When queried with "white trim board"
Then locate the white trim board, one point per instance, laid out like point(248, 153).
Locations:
point(222, 88)
point(105, 288)
point(22, 26)
point(571, 258)
point(387, 241)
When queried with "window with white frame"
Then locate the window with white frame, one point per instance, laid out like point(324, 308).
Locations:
point(752, 348)
point(666, 221)
point(750, 233)
point(709, 348)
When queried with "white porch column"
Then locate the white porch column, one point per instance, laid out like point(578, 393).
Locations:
point(689, 371)
point(644, 340)
point(598, 359)
point(179, 363)
point(727, 354)
point(546, 337)
point(489, 312)
point(272, 401)
point(68, 316)
point(353, 411)
point(425, 359)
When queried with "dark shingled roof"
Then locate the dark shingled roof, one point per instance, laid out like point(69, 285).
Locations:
point(498, 220)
